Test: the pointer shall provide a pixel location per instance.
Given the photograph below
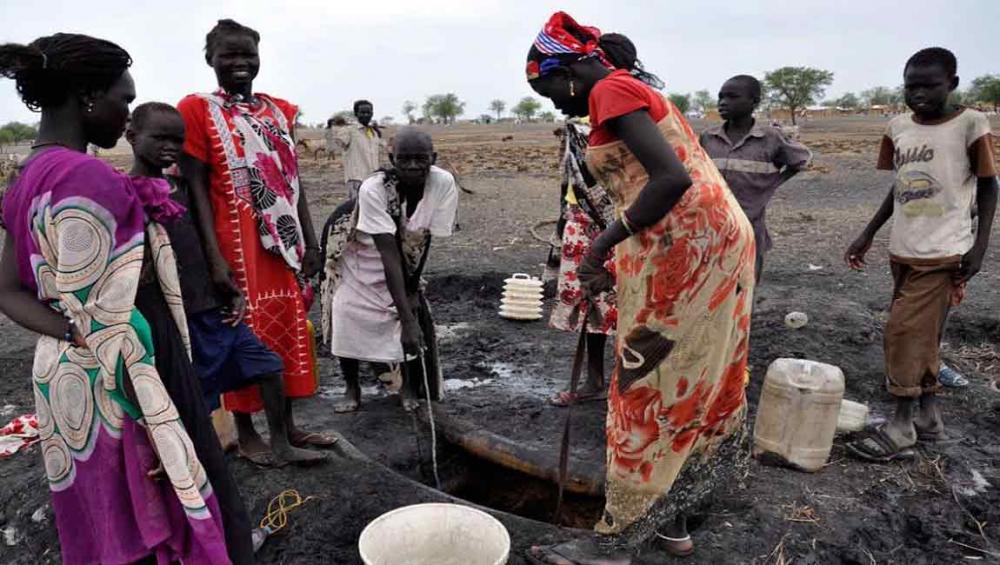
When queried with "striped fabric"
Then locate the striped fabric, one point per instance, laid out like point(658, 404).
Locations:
point(746, 166)
point(550, 46)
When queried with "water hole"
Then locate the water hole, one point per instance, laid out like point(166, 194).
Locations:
point(488, 484)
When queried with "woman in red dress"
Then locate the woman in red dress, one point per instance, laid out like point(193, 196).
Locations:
point(240, 162)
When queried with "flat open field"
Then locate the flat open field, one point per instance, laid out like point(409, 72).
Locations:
point(943, 507)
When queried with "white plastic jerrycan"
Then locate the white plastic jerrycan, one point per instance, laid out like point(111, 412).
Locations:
point(797, 415)
point(522, 298)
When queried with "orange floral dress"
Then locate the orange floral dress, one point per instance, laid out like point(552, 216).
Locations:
point(676, 405)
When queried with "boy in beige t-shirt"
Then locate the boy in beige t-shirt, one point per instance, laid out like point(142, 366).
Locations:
point(945, 168)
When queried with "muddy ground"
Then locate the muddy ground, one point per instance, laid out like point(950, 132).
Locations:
point(941, 508)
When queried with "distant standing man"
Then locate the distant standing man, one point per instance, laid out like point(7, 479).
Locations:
point(754, 159)
point(362, 147)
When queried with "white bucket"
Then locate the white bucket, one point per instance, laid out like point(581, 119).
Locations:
point(435, 534)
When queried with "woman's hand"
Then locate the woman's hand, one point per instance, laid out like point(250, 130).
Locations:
point(311, 262)
point(411, 337)
point(594, 278)
point(78, 340)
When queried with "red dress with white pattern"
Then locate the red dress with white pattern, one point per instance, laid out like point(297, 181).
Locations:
point(275, 308)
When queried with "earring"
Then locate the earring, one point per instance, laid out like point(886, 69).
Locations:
point(90, 107)
point(572, 89)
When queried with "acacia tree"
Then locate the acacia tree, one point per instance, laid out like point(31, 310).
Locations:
point(986, 89)
point(527, 108)
point(408, 108)
point(879, 96)
point(797, 87)
point(498, 106)
point(682, 101)
point(16, 132)
point(444, 107)
point(703, 101)
point(848, 101)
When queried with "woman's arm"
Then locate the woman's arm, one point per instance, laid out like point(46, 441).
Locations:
point(195, 173)
point(311, 261)
point(668, 179)
point(393, 265)
point(22, 306)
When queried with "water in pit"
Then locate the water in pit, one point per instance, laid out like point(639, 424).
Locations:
point(494, 486)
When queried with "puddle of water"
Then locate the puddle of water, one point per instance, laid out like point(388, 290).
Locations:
point(334, 392)
point(452, 385)
point(452, 332)
point(519, 379)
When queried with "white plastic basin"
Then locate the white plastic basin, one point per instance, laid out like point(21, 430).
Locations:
point(434, 534)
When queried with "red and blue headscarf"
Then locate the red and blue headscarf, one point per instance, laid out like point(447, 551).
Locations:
point(561, 42)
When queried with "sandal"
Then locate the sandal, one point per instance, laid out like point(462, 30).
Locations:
point(938, 437)
point(576, 552)
point(564, 398)
point(876, 446)
point(677, 547)
point(261, 458)
point(951, 378)
point(311, 439)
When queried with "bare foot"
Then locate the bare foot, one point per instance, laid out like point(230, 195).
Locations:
point(287, 454)
point(410, 404)
point(903, 435)
point(928, 420)
point(351, 401)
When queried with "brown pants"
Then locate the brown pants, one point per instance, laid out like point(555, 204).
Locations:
point(920, 302)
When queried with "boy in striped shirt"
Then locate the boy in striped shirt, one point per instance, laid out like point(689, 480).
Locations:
point(755, 159)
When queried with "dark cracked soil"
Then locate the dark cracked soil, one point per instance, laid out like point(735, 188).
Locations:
point(944, 507)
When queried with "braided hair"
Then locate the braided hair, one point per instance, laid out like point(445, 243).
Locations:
point(621, 52)
point(225, 28)
point(50, 69)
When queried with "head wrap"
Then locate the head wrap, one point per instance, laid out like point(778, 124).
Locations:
point(561, 42)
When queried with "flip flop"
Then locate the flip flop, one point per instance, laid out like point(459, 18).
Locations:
point(562, 399)
point(672, 545)
point(876, 446)
point(940, 437)
point(313, 439)
point(262, 458)
point(951, 378)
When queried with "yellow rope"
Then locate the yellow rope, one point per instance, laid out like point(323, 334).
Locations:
point(278, 509)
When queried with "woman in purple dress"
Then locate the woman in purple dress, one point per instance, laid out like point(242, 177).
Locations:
point(134, 470)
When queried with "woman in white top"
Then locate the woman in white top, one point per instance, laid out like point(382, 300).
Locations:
point(373, 306)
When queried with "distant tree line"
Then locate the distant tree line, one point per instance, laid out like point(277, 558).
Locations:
point(789, 88)
point(15, 132)
point(446, 108)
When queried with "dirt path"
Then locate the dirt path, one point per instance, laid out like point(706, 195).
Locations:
point(933, 510)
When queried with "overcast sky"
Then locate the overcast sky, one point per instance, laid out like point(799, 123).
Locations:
point(323, 54)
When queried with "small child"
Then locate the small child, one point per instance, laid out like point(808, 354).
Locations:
point(754, 159)
point(945, 165)
point(226, 354)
